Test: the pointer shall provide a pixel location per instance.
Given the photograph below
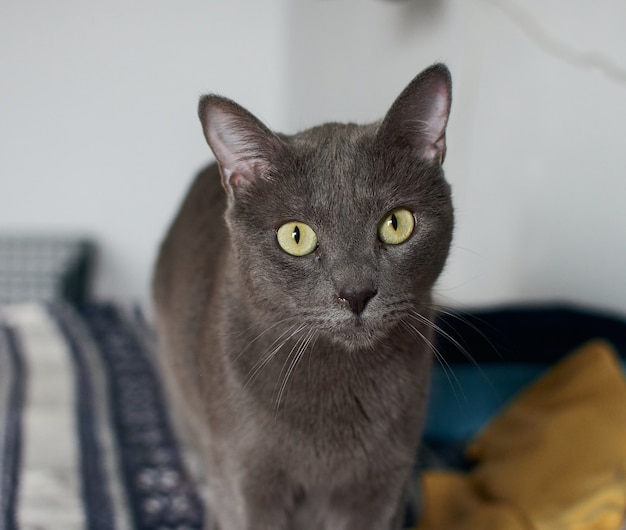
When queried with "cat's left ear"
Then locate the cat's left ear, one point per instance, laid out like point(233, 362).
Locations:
point(243, 145)
point(417, 120)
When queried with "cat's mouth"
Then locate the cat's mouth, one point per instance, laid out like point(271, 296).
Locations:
point(352, 330)
point(357, 332)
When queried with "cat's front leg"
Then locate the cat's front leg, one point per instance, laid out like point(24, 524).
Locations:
point(370, 505)
point(256, 498)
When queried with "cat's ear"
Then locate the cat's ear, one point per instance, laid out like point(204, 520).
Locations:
point(243, 146)
point(417, 120)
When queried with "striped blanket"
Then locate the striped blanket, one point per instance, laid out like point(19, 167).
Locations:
point(84, 439)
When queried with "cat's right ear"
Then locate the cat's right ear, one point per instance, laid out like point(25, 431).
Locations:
point(243, 146)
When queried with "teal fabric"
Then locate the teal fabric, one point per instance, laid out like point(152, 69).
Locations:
point(491, 354)
point(464, 397)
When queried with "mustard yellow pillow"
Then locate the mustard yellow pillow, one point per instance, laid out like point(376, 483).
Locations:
point(554, 459)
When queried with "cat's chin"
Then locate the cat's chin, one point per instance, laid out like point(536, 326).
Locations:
point(356, 335)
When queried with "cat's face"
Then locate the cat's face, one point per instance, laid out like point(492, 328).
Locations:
point(342, 228)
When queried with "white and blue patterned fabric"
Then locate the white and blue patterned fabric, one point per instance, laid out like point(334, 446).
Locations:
point(85, 441)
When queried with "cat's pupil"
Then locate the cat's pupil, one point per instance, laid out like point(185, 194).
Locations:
point(394, 221)
point(296, 235)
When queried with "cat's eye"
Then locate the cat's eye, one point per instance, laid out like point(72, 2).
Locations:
point(297, 239)
point(396, 226)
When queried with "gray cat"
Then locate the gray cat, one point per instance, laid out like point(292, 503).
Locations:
point(293, 296)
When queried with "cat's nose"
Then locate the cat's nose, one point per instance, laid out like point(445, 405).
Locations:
point(357, 300)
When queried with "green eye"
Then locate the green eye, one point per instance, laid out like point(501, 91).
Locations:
point(296, 238)
point(396, 226)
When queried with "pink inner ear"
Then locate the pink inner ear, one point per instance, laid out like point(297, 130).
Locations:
point(418, 117)
point(227, 139)
point(223, 142)
point(234, 178)
point(436, 125)
point(241, 143)
point(238, 180)
point(436, 150)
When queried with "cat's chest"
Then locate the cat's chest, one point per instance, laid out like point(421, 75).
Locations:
point(335, 401)
point(343, 433)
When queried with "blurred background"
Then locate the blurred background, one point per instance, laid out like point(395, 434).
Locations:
point(99, 137)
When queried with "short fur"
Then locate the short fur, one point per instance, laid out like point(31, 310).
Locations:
point(308, 411)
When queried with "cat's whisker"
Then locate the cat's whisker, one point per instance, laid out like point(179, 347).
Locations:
point(304, 344)
point(271, 352)
point(260, 321)
point(458, 316)
point(443, 333)
point(264, 332)
point(447, 336)
point(288, 358)
point(315, 336)
point(448, 371)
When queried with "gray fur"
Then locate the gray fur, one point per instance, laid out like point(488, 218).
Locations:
point(308, 415)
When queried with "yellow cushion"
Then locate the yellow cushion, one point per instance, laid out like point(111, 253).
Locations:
point(554, 459)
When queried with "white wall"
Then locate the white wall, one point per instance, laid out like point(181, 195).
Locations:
point(536, 138)
point(98, 127)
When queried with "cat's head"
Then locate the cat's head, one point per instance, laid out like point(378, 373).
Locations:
point(341, 228)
